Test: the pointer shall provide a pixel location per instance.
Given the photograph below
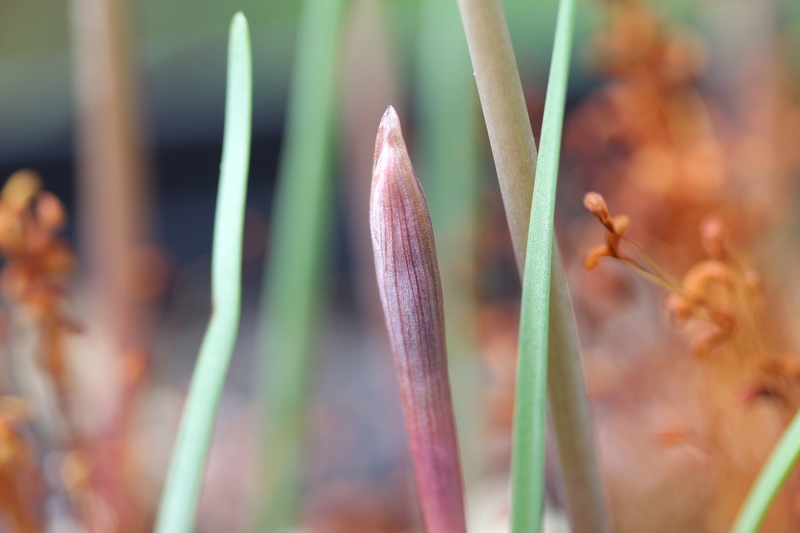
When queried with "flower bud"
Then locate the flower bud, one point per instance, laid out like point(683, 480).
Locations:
point(410, 290)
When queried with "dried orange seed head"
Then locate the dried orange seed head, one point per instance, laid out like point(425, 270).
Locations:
point(20, 189)
point(596, 205)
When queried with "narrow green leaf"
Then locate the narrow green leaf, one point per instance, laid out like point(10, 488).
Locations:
point(772, 477)
point(515, 157)
point(527, 475)
point(178, 509)
point(293, 275)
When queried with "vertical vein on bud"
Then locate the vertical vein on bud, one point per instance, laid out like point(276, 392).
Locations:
point(410, 290)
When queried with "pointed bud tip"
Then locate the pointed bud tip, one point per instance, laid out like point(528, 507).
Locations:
point(388, 128)
point(390, 115)
point(390, 136)
point(410, 289)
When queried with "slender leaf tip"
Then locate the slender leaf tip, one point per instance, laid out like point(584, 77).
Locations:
point(184, 479)
point(238, 19)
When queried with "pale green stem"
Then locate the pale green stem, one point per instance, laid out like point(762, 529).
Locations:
point(178, 509)
point(770, 480)
point(527, 461)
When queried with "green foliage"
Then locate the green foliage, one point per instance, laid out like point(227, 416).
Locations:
point(294, 273)
point(531, 398)
point(177, 512)
point(769, 482)
point(515, 157)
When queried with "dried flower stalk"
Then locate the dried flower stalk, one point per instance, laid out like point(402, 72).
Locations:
point(410, 290)
point(34, 281)
point(19, 475)
point(749, 387)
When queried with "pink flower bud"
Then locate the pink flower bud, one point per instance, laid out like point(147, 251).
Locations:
point(410, 289)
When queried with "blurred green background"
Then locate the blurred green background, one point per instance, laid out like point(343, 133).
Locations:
point(179, 48)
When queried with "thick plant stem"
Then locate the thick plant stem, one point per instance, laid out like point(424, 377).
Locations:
point(571, 413)
point(514, 150)
point(115, 186)
point(503, 103)
point(114, 226)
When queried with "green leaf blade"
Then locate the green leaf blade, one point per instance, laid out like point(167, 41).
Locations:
point(180, 498)
point(515, 157)
point(531, 392)
point(772, 477)
point(294, 270)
